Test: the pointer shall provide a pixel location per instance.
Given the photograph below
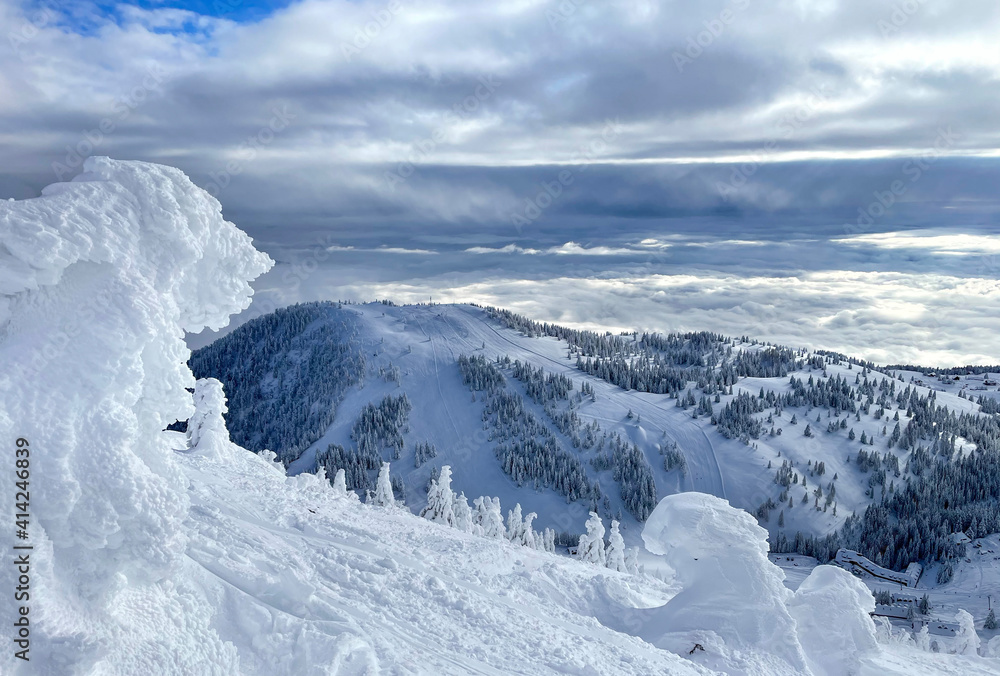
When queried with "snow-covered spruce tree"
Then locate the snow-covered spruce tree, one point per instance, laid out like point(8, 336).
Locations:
point(440, 500)
point(383, 496)
point(207, 433)
point(922, 639)
point(529, 538)
point(463, 514)
point(591, 547)
point(340, 483)
point(616, 550)
point(966, 640)
point(632, 559)
point(493, 519)
point(991, 620)
point(340, 486)
point(479, 507)
point(515, 525)
point(549, 540)
point(423, 452)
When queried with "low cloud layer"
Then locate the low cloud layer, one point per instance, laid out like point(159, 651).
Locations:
point(796, 170)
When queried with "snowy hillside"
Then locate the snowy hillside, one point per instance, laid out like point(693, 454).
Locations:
point(151, 551)
point(801, 440)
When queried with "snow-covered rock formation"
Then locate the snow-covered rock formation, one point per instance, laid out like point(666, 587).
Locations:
point(156, 552)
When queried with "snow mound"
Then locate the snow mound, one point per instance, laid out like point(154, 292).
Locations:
point(732, 598)
point(832, 609)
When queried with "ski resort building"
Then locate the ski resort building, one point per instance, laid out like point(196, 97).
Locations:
point(936, 627)
point(896, 611)
point(860, 565)
point(960, 538)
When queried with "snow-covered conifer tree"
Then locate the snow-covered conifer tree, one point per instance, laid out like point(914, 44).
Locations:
point(440, 500)
point(966, 640)
point(340, 483)
point(207, 433)
point(489, 518)
point(922, 639)
point(463, 515)
point(529, 538)
point(340, 486)
point(549, 540)
point(515, 525)
point(479, 508)
point(632, 560)
point(616, 550)
point(591, 547)
point(383, 496)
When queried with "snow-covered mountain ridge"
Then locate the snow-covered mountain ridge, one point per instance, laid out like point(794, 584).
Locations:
point(802, 440)
point(157, 552)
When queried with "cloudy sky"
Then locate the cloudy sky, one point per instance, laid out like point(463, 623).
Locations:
point(816, 172)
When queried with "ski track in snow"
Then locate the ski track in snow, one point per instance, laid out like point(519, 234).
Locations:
point(437, 382)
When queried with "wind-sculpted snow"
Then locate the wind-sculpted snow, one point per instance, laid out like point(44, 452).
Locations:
point(732, 598)
point(101, 277)
point(734, 615)
point(831, 608)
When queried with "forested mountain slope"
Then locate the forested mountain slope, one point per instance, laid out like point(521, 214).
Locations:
point(564, 421)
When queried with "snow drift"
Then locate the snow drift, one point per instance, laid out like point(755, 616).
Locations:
point(163, 553)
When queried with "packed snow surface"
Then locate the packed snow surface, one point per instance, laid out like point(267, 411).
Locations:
point(158, 552)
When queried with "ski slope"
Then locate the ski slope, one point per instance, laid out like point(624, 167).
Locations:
point(425, 341)
point(313, 583)
point(323, 585)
